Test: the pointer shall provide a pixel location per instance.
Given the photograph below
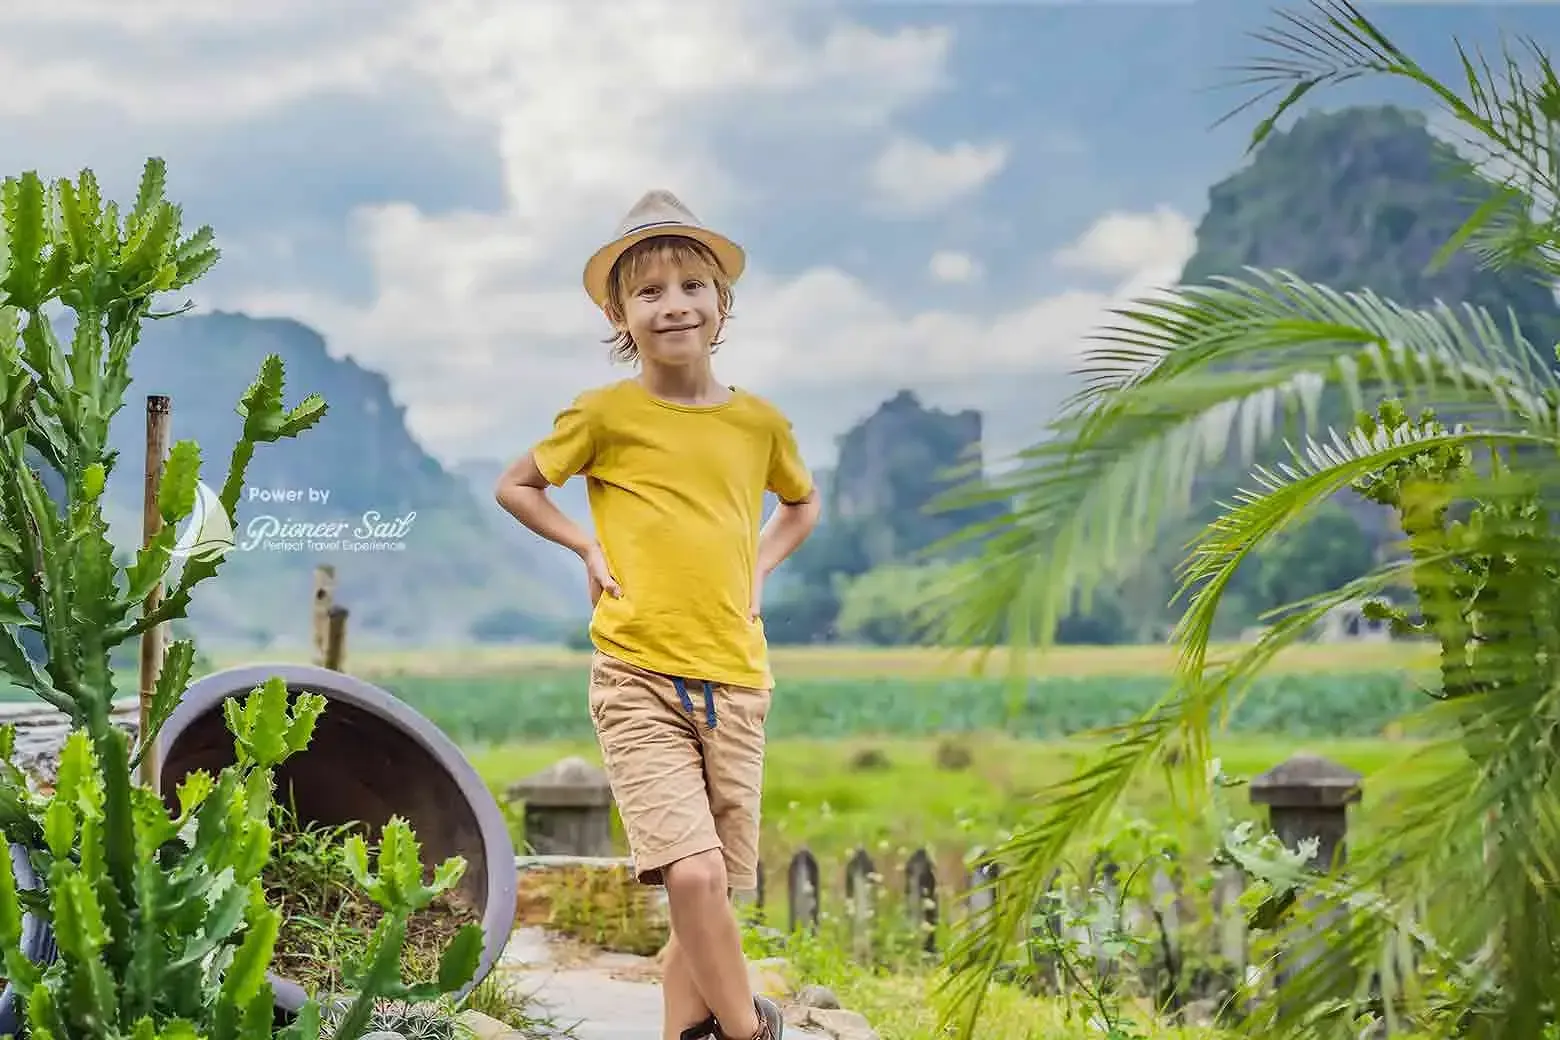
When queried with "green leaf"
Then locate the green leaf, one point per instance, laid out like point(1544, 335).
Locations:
point(174, 678)
point(194, 257)
point(458, 965)
point(181, 472)
point(78, 919)
point(193, 791)
point(23, 205)
point(247, 974)
point(150, 195)
point(304, 416)
point(306, 1026)
point(448, 874)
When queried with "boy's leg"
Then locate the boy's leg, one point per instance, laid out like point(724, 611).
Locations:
point(686, 1013)
point(706, 929)
point(734, 768)
point(651, 747)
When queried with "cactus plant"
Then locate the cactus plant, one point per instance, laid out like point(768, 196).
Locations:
point(162, 926)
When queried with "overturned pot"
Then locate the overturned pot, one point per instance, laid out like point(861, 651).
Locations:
point(372, 757)
point(37, 940)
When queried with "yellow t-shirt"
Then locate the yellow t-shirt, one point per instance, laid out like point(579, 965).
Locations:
point(677, 492)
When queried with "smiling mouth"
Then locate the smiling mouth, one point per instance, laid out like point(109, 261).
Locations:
point(678, 328)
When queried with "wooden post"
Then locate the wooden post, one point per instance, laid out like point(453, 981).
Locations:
point(921, 897)
point(861, 883)
point(159, 409)
point(336, 638)
point(802, 885)
point(324, 599)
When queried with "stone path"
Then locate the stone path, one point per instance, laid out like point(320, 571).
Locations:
point(607, 997)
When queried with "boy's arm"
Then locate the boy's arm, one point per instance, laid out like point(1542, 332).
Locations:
point(522, 491)
point(796, 516)
point(787, 528)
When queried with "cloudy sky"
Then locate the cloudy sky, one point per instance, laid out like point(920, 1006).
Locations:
point(944, 196)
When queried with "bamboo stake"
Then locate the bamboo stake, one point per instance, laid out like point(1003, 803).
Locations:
point(159, 409)
point(324, 600)
point(336, 638)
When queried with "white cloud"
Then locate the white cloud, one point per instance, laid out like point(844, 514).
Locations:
point(192, 61)
point(1122, 243)
point(477, 315)
point(952, 267)
point(912, 177)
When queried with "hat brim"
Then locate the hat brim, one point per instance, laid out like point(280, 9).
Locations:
point(599, 267)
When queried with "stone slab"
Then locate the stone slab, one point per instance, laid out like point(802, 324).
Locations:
point(593, 999)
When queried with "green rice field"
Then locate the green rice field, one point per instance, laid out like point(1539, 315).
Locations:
point(858, 736)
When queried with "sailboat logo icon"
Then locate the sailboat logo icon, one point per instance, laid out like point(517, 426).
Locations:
point(208, 532)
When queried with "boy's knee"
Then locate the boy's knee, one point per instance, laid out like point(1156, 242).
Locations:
point(701, 875)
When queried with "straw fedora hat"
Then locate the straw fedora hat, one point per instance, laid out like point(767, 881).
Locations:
point(658, 213)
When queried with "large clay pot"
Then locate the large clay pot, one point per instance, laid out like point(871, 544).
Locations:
point(37, 940)
point(372, 757)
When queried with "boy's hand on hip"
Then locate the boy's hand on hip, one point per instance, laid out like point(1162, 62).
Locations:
point(757, 606)
point(598, 575)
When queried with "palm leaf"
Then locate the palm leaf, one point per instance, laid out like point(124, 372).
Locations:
point(1226, 367)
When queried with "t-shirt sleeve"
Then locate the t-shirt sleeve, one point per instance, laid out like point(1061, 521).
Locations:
point(570, 447)
point(789, 477)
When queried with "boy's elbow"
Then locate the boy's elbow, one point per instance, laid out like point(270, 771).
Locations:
point(807, 510)
point(523, 474)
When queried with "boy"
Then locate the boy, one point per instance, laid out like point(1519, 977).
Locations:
point(676, 466)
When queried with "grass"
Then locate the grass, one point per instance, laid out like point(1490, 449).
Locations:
point(328, 921)
point(817, 793)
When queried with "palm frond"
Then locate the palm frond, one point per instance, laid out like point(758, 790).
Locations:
point(1236, 366)
point(1232, 366)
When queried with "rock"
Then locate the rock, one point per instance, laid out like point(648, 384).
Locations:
point(869, 760)
point(842, 1025)
point(770, 977)
point(485, 1027)
point(815, 996)
point(1202, 1013)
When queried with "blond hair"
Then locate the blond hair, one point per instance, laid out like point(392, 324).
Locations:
point(679, 251)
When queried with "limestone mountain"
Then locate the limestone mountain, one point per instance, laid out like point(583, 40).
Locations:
point(881, 508)
point(1359, 198)
point(1362, 198)
point(450, 572)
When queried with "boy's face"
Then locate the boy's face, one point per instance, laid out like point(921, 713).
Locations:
point(672, 312)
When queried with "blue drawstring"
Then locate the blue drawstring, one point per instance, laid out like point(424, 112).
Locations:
point(687, 702)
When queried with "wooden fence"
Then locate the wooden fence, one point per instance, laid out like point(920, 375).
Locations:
point(1191, 940)
point(1187, 940)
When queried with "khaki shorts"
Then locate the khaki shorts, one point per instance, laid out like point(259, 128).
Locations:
point(682, 786)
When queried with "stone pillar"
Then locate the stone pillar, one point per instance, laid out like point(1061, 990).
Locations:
point(568, 810)
point(1308, 797)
